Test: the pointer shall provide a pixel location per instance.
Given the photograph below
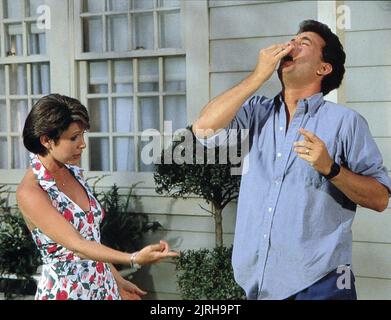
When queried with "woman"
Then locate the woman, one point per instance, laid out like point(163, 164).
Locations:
point(62, 213)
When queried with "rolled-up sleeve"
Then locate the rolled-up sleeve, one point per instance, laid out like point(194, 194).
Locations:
point(242, 120)
point(363, 155)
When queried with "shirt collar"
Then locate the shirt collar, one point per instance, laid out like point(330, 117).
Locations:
point(313, 102)
point(44, 177)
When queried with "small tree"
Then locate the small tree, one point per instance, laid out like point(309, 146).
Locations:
point(205, 174)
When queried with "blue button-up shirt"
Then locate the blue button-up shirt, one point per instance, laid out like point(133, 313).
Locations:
point(293, 226)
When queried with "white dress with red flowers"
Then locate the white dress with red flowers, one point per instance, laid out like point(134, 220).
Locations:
point(64, 275)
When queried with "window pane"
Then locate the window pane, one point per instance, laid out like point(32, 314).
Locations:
point(149, 113)
point(124, 154)
point(148, 75)
point(142, 4)
point(123, 115)
point(18, 79)
point(19, 111)
point(117, 5)
point(32, 7)
point(143, 31)
point(98, 77)
point(174, 110)
point(174, 74)
point(99, 115)
point(149, 154)
point(93, 5)
point(3, 153)
point(170, 35)
point(40, 82)
point(20, 158)
point(118, 35)
point(36, 40)
point(170, 3)
point(3, 117)
point(123, 77)
point(2, 81)
point(14, 39)
point(13, 9)
point(92, 30)
point(99, 154)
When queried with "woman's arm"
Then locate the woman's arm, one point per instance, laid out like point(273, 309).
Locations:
point(38, 209)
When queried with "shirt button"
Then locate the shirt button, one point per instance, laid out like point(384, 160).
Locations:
point(276, 182)
point(281, 128)
point(279, 154)
point(270, 209)
point(265, 236)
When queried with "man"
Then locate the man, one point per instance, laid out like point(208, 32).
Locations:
point(311, 162)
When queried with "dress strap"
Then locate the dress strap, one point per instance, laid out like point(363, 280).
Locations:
point(45, 179)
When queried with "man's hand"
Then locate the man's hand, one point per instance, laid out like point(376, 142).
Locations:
point(269, 58)
point(313, 150)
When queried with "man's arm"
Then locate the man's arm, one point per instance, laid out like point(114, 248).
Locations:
point(365, 191)
point(362, 190)
point(220, 111)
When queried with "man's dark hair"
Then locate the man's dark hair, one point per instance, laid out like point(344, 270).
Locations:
point(332, 53)
point(51, 116)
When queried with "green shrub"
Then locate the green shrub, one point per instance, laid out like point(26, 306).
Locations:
point(206, 274)
point(18, 254)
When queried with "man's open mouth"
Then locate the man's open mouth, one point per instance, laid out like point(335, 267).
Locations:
point(287, 58)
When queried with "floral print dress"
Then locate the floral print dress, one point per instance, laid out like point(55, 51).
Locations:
point(65, 275)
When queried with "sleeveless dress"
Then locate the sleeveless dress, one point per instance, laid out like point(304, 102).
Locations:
point(65, 275)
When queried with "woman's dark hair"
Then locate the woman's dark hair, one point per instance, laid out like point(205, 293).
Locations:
point(332, 53)
point(51, 116)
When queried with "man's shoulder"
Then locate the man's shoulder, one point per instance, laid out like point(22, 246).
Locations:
point(259, 103)
point(337, 109)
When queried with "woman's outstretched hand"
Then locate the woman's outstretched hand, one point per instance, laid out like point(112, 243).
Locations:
point(154, 253)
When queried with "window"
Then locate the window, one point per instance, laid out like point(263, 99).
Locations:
point(24, 75)
point(132, 77)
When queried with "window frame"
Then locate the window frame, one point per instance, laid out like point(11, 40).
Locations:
point(7, 176)
point(64, 54)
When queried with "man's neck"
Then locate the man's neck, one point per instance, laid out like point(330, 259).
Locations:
point(292, 95)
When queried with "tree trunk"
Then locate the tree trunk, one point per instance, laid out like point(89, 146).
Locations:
point(217, 213)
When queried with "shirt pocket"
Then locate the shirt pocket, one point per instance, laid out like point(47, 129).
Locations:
point(313, 178)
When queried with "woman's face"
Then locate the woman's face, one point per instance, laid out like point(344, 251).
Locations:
point(69, 147)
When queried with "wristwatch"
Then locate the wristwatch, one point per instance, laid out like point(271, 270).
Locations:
point(335, 168)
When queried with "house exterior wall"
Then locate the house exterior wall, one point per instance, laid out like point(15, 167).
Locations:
point(233, 32)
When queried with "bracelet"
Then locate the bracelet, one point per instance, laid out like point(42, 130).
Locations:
point(133, 263)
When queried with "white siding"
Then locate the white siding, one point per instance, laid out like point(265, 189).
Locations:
point(368, 83)
point(237, 31)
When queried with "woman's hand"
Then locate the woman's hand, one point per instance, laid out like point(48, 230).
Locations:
point(129, 291)
point(154, 253)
